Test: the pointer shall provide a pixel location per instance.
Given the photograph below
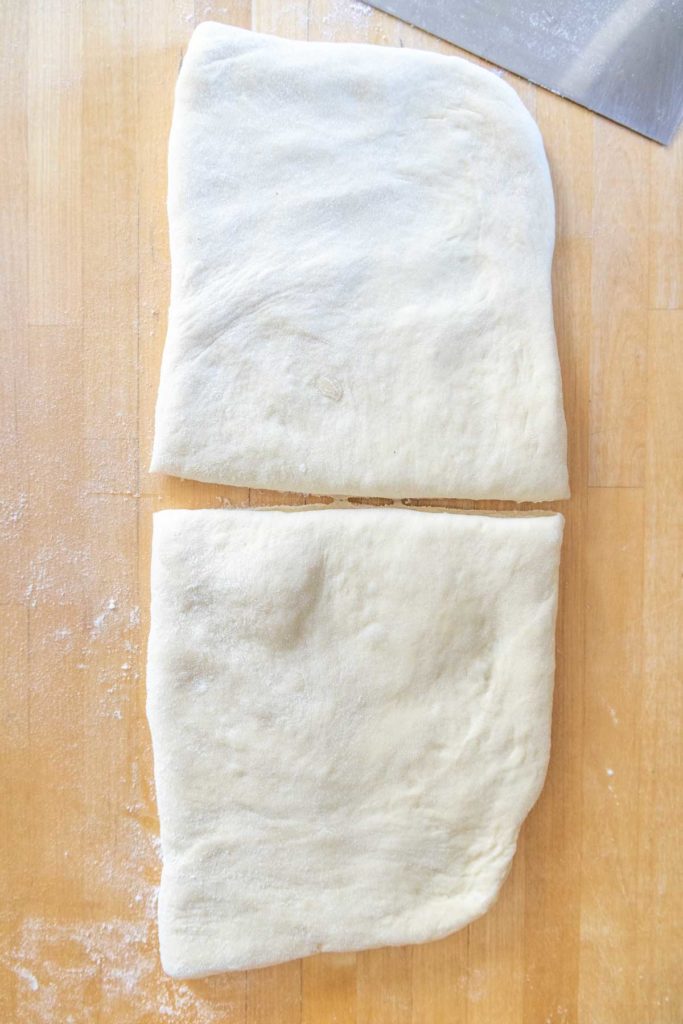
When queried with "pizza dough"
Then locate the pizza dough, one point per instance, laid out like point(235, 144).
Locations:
point(350, 712)
point(361, 242)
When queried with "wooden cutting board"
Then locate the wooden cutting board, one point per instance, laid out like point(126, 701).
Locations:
point(585, 929)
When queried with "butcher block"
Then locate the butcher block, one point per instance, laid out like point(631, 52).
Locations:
point(586, 927)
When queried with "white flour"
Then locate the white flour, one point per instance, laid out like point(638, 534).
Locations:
point(11, 512)
point(91, 971)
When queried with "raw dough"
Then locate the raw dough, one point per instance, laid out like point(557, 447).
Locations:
point(361, 241)
point(350, 712)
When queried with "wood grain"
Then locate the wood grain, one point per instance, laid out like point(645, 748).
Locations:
point(619, 310)
point(585, 930)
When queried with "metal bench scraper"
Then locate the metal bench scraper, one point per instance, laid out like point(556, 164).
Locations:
point(621, 58)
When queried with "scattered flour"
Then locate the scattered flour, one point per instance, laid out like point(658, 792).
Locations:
point(63, 639)
point(558, 1016)
point(209, 12)
point(92, 971)
point(110, 606)
point(295, 18)
point(345, 20)
point(343, 12)
point(12, 512)
point(27, 976)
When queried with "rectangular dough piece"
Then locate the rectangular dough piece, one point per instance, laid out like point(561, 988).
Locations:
point(361, 243)
point(350, 714)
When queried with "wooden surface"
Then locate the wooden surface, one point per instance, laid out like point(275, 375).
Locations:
point(586, 927)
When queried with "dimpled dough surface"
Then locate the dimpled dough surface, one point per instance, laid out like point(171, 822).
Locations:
point(350, 713)
point(361, 241)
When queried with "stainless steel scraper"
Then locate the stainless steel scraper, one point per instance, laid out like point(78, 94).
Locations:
point(621, 58)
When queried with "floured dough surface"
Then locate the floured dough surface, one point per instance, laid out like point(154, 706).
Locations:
point(361, 241)
point(350, 713)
